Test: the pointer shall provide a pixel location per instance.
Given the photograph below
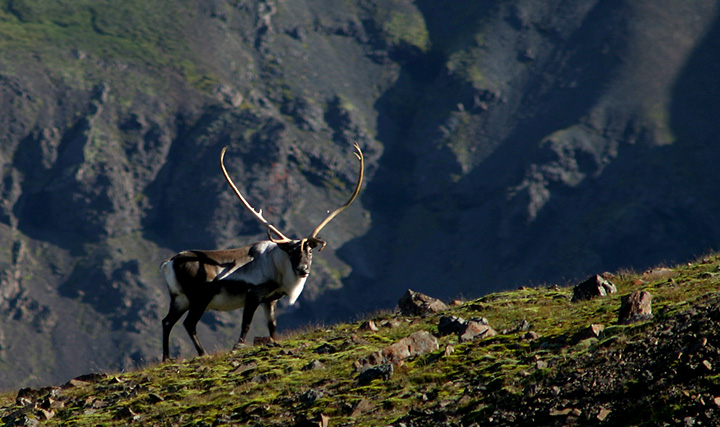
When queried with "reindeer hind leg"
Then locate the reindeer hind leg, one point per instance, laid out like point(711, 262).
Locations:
point(177, 309)
point(190, 323)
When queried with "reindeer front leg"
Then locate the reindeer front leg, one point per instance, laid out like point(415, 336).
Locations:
point(251, 304)
point(271, 316)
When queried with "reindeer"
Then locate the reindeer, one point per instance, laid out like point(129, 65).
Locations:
point(260, 273)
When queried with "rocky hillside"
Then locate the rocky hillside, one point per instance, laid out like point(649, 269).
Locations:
point(506, 144)
point(533, 356)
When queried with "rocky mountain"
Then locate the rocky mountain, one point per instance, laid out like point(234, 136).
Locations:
point(506, 143)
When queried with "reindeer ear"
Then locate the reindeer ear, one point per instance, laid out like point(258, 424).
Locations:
point(314, 242)
point(322, 245)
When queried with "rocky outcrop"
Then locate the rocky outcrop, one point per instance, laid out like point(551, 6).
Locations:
point(467, 330)
point(417, 304)
point(595, 286)
point(416, 344)
point(635, 307)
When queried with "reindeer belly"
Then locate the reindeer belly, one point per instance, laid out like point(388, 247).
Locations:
point(229, 297)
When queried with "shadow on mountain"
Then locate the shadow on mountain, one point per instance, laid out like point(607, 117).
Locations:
point(456, 251)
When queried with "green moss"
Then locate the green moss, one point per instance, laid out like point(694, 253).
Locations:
point(401, 22)
point(408, 28)
point(86, 42)
point(466, 65)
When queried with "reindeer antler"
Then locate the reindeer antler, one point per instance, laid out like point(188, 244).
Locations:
point(257, 214)
point(313, 236)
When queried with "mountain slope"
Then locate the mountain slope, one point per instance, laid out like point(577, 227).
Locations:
point(114, 126)
point(541, 369)
point(562, 152)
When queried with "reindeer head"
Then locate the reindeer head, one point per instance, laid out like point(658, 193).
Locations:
point(300, 254)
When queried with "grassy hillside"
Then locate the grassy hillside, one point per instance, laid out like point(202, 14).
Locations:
point(660, 371)
point(133, 31)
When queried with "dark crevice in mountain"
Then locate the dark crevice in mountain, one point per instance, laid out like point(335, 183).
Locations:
point(392, 190)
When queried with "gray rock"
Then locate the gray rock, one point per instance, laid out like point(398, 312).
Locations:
point(417, 344)
point(451, 325)
point(310, 396)
point(476, 329)
point(417, 304)
point(315, 364)
point(635, 307)
point(467, 330)
point(368, 326)
point(593, 331)
point(595, 286)
point(325, 349)
point(369, 374)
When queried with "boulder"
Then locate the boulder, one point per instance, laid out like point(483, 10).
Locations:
point(310, 396)
point(371, 373)
point(467, 330)
point(314, 364)
point(451, 325)
point(368, 326)
point(417, 344)
point(477, 329)
point(595, 286)
point(362, 406)
point(325, 349)
point(593, 331)
point(417, 304)
point(635, 307)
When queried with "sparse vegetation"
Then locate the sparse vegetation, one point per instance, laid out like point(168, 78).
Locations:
point(402, 22)
point(516, 376)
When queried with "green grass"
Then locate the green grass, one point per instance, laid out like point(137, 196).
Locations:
point(268, 384)
point(145, 28)
point(86, 39)
point(401, 22)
